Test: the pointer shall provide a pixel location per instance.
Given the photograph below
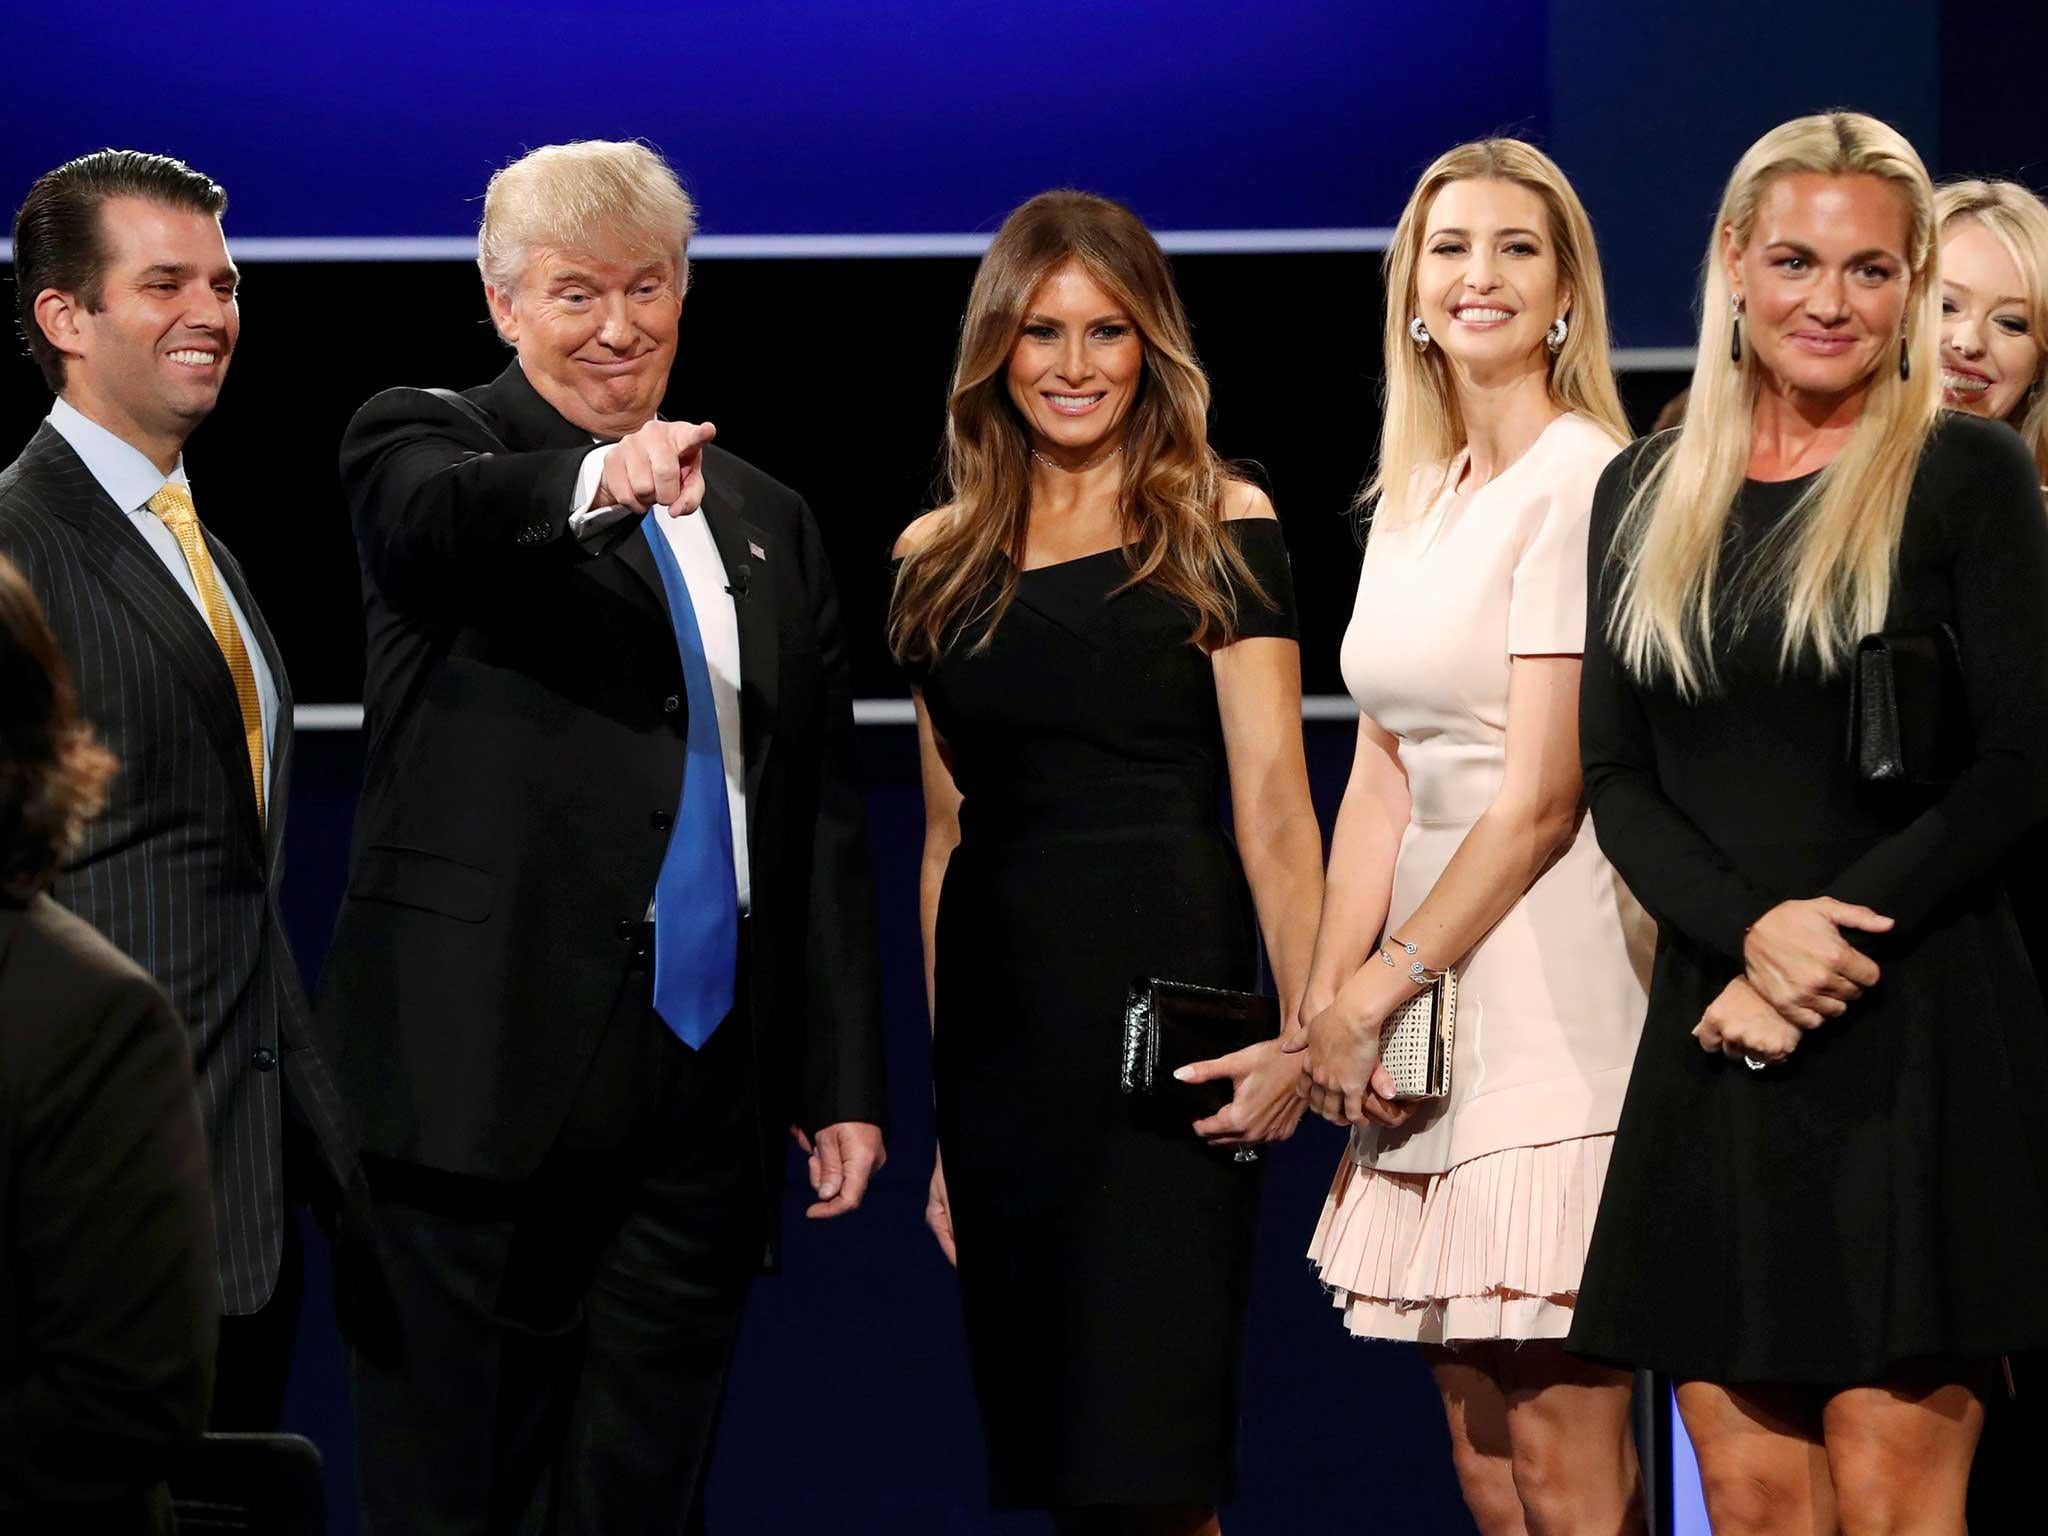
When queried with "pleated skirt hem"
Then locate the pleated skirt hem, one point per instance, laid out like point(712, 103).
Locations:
point(1492, 1249)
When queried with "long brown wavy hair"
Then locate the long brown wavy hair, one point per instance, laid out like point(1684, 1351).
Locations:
point(1170, 504)
point(53, 773)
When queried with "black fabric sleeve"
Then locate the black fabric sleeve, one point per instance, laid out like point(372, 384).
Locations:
point(1270, 611)
point(112, 1255)
point(436, 500)
point(845, 1064)
point(1999, 587)
point(1675, 871)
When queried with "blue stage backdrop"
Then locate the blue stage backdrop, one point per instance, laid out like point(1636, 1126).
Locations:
point(789, 117)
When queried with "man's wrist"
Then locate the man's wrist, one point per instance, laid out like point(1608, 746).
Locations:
point(590, 481)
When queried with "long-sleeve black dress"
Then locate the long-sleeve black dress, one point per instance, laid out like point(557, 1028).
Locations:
point(1883, 1195)
point(1105, 1256)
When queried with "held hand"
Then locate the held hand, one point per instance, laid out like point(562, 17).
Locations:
point(938, 1212)
point(662, 464)
point(1797, 960)
point(1263, 1104)
point(1341, 1075)
point(1739, 1024)
point(842, 1161)
point(1294, 1033)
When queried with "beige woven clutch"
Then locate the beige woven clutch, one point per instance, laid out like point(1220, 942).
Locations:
point(1415, 1046)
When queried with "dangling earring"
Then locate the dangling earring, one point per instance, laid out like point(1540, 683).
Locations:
point(1419, 334)
point(1735, 329)
point(1905, 358)
point(1554, 337)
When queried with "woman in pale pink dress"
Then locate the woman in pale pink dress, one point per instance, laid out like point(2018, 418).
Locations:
point(1461, 1224)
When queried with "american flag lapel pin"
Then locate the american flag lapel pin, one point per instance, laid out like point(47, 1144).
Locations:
point(756, 550)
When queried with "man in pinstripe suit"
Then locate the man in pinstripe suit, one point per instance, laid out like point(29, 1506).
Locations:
point(127, 300)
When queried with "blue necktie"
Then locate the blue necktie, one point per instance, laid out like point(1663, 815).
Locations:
point(696, 902)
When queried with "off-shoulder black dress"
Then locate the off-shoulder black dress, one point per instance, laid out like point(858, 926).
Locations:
point(1105, 1261)
point(1883, 1195)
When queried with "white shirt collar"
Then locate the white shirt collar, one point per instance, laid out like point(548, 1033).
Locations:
point(123, 470)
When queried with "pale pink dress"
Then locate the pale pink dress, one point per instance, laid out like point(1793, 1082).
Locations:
point(1471, 1221)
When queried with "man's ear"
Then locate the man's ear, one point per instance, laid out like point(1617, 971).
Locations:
point(63, 320)
point(503, 315)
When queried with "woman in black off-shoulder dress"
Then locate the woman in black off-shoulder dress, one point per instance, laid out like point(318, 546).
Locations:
point(1083, 718)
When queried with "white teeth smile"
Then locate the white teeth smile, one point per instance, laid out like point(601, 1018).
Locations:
point(1963, 383)
point(194, 359)
point(1073, 402)
point(1484, 316)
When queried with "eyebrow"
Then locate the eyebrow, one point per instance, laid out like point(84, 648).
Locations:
point(1036, 318)
point(183, 270)
point(590, 280)
point(1467, 234)
point(1998, 303)
point(1812, 255)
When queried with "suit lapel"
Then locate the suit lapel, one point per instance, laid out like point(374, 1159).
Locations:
point(279, 787)
point(131, 570)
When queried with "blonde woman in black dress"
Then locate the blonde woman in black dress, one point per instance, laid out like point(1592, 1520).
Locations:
point(1828, 1205)
point(1100, 625)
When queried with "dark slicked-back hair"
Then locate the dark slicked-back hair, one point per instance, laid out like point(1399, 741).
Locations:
point(57, 235)
point(53, 774)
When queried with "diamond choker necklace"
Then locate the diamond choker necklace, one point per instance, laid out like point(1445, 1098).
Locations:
point(1103, 458)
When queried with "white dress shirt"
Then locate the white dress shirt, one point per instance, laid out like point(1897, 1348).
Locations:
point(127, 476)
point(717, 624)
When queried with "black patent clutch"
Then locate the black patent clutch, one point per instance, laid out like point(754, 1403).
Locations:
point(1168, 1024)
point(1908, 724)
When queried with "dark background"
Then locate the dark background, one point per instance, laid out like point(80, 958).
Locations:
point(850, 1406)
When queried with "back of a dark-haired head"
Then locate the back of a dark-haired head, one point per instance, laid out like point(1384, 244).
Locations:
point(58, 240)
point(53, 774)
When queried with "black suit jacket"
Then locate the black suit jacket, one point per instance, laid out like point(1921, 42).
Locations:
point(179, 872)
point(526, 718)
point(108, 1301)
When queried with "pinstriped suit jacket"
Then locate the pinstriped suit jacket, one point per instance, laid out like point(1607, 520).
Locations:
point(179, 872)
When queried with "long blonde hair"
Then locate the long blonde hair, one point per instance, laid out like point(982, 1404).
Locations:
point(2017, 220)
point(1422, 427)
point(1828, 568)
point(1170, 500)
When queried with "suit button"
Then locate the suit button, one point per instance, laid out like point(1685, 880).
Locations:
point(671, 704)
point(663, 820)
point(627, 928)
point(640, 950)
point(265, 1059)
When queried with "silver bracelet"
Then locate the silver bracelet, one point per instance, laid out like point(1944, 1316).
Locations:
point(1422, 975)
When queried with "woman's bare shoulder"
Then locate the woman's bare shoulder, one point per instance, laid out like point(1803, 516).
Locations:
point(920, 531)
point(1243, 499)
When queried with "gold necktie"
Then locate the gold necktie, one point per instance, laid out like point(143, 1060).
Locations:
point(174, 505)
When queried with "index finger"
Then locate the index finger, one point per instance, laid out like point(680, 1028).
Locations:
point(853, 1187)
point(694, 435)
point(1202, 1071)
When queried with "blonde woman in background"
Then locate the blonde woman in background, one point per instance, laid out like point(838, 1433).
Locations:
point(1828, 1207)
point(1462, 1225)
point(1994, 306)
